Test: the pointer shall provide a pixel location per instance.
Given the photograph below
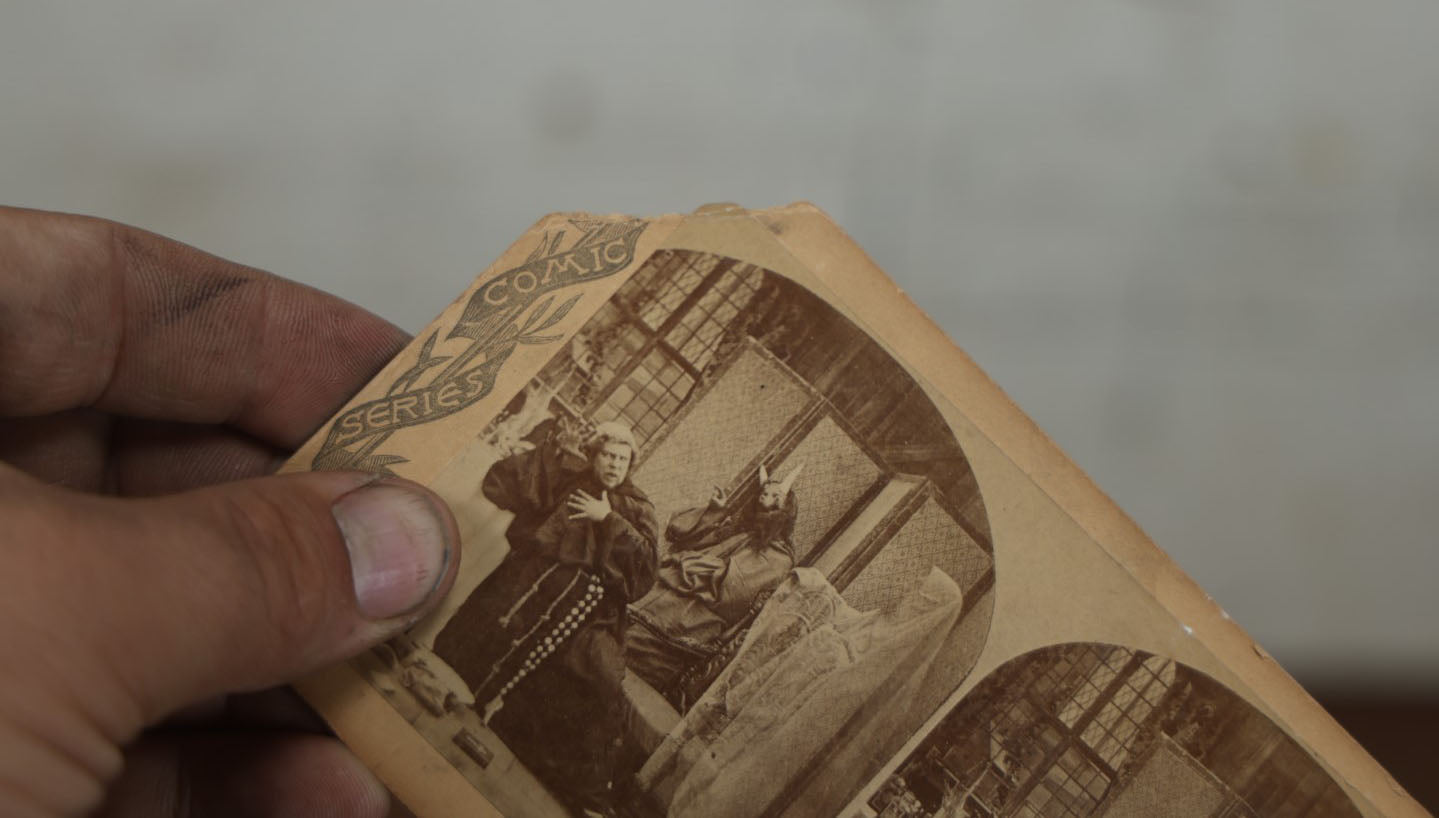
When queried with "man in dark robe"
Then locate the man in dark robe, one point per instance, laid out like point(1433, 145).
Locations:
point(541, 640)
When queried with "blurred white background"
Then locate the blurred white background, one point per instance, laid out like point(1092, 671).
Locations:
point(1196, 241)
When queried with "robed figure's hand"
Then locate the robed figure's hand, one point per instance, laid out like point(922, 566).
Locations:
point(584, 507)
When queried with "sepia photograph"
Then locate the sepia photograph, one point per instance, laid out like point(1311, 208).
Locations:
point(723, 556)
point(1085, 729)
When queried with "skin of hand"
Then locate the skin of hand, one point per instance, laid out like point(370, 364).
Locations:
point(585, 507)
point(156, 587)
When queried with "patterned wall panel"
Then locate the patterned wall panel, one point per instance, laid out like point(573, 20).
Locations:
point(930, 537)
point(728, 425)
point(837, 473)
point(1169, 783)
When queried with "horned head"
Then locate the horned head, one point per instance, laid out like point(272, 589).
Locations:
point(785, 484)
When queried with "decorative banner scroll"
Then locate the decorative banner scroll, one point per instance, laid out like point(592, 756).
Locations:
point(497, 319)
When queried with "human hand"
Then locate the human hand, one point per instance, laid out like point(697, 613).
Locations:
point(718, 499)
point(135, 367)
point(569, 436)
point(585, 507)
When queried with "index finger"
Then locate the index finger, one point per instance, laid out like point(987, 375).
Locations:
point(94, 313)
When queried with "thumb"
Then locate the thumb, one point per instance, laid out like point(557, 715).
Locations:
point(250, 584)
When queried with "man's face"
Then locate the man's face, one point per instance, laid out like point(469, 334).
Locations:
point(611, 463)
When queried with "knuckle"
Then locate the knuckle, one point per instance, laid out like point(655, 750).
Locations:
point(290, 558)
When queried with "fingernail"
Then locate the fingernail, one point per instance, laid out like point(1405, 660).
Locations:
point(399, 547)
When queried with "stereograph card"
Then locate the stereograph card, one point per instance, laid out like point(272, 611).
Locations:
point(745, 535)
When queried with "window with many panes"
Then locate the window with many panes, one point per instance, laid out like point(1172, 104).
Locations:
point(1115, 727)
point(1072, 785)
point(643, 353)
point(1060, 745)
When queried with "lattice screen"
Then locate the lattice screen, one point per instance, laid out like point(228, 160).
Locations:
point(728, 426)
point(837, 473)
point(929, 538)
point(1169, 783)
point(1238, 809)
